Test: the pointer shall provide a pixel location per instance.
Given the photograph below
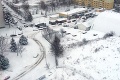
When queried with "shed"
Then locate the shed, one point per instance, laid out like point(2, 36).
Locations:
point(83, 26)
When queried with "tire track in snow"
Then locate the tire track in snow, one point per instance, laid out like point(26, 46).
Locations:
point(41, 57)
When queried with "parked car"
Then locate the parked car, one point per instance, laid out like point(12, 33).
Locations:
point(40, 28)
point(59, 23)
point(74, 35)
point(84, 32)
point(13, 35)
point(65, 25)
point(73, 20)
point(67, 33)
point(75, 27)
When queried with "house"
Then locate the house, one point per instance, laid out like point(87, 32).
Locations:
point(108, 4)
point(71, 13)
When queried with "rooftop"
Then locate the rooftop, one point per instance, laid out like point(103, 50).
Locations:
point(74, 11)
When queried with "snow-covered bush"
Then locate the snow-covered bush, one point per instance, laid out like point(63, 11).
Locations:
point(23, 40)
point(13, 46)
point(4, 63)
point(84, 42)
point(97, 49)
point(110, 34)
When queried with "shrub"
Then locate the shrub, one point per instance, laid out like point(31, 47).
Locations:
point(4, 63)
point(23, 40)
point(96, 50)
point(13, 46)
point(110, 34)
point(83, 42)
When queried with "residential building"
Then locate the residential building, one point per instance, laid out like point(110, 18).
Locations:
point(108, 4)
point(2, 23)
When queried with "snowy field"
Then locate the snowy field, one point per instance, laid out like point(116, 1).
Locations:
point(97, 60)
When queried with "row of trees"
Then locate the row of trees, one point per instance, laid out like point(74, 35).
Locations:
point(25, 6)
point(18, 48)
point(27, 15)
point(55, 4)
point(4, 46)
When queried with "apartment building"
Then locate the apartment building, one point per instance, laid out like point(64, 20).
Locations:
point(2, 23)
point(108, 4)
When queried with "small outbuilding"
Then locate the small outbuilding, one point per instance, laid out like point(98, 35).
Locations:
point(83, 26)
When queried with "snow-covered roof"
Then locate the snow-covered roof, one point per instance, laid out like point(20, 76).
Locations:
point(84, 23)
point(18, 4)
point(31, 4)
point(77, 10)
point(53, 16)
point(107, 21)
point(40, 20)
point(61, 19)
point(52, 20)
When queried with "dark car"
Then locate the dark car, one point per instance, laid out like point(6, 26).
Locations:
point(73, 20)
point(40, 25)
point(13, 35)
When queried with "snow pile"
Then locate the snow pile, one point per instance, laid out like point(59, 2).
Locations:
point(107, 21)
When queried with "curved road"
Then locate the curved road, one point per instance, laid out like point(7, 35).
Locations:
point(41, 57)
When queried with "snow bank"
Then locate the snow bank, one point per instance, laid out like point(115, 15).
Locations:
point(107, 21)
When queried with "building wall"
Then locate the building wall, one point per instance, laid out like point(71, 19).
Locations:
point(108, 4)
point(2, 23)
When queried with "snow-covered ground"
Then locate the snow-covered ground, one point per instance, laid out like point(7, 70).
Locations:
point(101, 65)
point(97, 60)
point(19, 63)
point(96, 65)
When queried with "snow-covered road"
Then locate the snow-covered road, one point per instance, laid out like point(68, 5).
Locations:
point(41, 57)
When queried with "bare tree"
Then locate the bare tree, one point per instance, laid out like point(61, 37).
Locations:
point(25, 6)
point(20, 49)
point(3, 45)
point(43, 5)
